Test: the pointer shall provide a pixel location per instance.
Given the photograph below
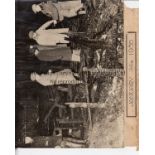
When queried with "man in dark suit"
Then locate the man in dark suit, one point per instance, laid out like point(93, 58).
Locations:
point(54, 53)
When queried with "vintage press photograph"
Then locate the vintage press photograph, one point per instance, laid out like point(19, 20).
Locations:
point(69, 86)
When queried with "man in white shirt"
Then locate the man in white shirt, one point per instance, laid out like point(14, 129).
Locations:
point(65, 76)
point(49, 37)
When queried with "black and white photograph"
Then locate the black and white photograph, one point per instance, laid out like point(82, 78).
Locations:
point(69, 74)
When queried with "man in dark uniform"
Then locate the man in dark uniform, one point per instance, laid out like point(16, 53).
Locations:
point(54, 53)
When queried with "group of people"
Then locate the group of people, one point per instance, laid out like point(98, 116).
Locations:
point(53, 44)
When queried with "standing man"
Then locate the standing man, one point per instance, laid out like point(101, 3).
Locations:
point(54, 53)
point(65, 76)
point(49, 37)
point(57, 11)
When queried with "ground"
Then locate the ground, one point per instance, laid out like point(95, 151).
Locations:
point(108, 122)
point(105, 26)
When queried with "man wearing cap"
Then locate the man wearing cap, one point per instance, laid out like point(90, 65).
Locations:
point(54, 53)
point(57, 11)
point(49, 37)
point(65, 76)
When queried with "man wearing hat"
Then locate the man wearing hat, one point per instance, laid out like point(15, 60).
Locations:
point(57, 11)
point(49, 37)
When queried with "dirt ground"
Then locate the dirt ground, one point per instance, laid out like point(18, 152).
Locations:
point(108, 122)
point(105, 26)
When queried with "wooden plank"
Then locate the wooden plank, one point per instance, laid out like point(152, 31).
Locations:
point(73, 140)
point(87, 95)
point(71, 144)
point(85, 105)
point(66, 121)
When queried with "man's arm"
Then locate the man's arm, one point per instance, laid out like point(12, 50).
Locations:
point(47, 24)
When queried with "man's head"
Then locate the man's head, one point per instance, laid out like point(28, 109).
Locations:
point(31, 49)
point(33, 76)
point(32, 35)
point(34, 50)
point(36, 8)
